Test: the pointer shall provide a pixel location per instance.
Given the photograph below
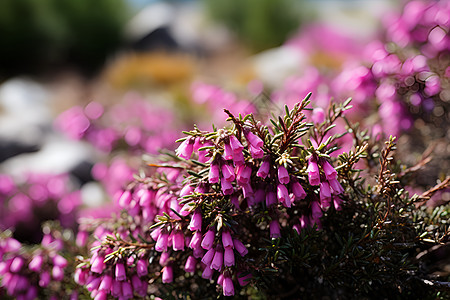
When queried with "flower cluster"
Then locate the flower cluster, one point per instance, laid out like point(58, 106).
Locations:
point(25, 206)
point(123, 125)
point(31, 274)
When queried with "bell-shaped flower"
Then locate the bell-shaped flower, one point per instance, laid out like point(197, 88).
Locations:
point(167, 274)
point(336, 186)
point(161, 243)
point(228, 287)
point(185, 149)
point(208, 257)
point(227, 240)
point(274, 229)
point(240, 248)
point(235, 144)
point(271, 198)
point(36, 263)
point(283, 195)
point(214, 173)
point(106, 283)
point(238, 158)
point(196, 240)
point(253, 139)
point(298, 190)
point(283, 175)
point(227, 187)
point(228, 257)
point(208, 240)
point(244, 173)
point(142, 267)
point(120, 273)
point(227, 152)
point(178, 241)
point(217, 261)
point(228, 172)
point(264, 169)
point(255, 152)
point(207, 273)
point(191, 262)
point(313, 173)
point(196, 221)
point(330, 172)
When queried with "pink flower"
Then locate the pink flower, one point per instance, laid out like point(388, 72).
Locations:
point(336, 186)
point(283, 195)
point(325, 191)
point(127, 290)
point(207, 273)
point(208, 240)
point(213, 176)
point(167, 274)
point(240, 248)
point(36, 263)
point(120, 273)
point(235, 144)
point(238, 158)
point(318, 115)
point(178, 241)
point(228, 172)
point(97, 265)
point(316, 212)
point(228, 257)
point(256, 152)
point(161, 243)
point(16, 264)
point(253, 140)
point(337, 203)
point(106, 283)
point(185, 149)
point(227, 152)
point(274, 229)
point(185, 191)
point(45, 278)
point(217, 261)
point(283, 175)
point(247, 190)
point(227, 241)
point(125, 199)
point(57, 273)
point(208, 257)
point(227, 187)
point(298, 190)
point(228, 287)
point(59, 261)
point(264, 169)
point(142, 267)
point(196, 221)
point(243, 174)
point(330, 172)
point(191, 262)
point(313, 173)
point(196, 240)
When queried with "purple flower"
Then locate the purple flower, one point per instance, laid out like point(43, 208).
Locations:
point(207, 273)
point(336, 186)
point(214, 173)
point(228, 257)
point(178, 241)
point(36, 263)
point(247, 190)
point(196, 240)
point(240, 248)
point(167, 274)
point(227, 241)
point(316, 212)
point(120, 273)
point(186, 190)
point(298, 190)
point(256, 152)
point(164, 258)
point(330, 172)
point(313, 173)
point(81, 239)
point(142, 267)
point(16, 264)
point(161, 243)
point(125, 199)
point(238, 158)
point(318, 115)
point(264, 169)
point(59, 261)
point(244, 173)
point(217, 261)
point(325, 191)
point(185, 149)
point(57, 273)
point(228, 287)
point(253, 140)
point(136, 283)
point(116, 288)
point(106, 283)
point(191, 262)
point(235, 144)
point(337, 203)
point(101, 295)
point(208, 257)
point(228, 172)
point(208, 240)
point(227, 187)
point(274, 229)
point(97, 265)
point(127, 290)
point(283, 195)
point(80, 276)
point(227, 152)
point(283, 175)
point(45, 278)
point(196, 221)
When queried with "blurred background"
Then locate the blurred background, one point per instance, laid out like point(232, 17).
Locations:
point(88, 87)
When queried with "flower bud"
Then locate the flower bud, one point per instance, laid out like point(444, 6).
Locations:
point(58, 273)
point(16, 264)
point(36, 263)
